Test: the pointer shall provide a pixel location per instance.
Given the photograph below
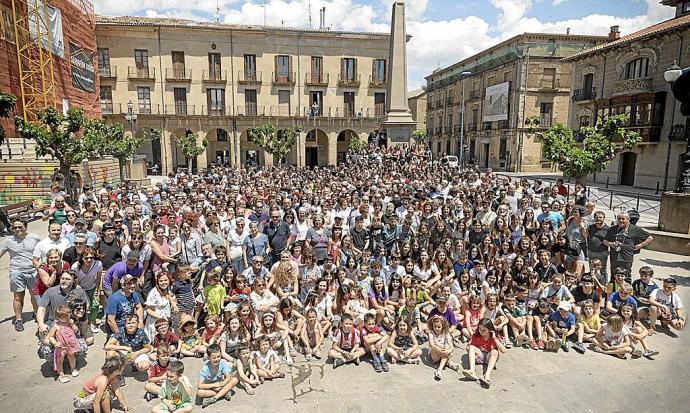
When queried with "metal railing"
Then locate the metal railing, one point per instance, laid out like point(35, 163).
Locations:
point(108, 72)
point(377, 82)
point(178, 75)
point(679, 133)
point(141, 73)
point(282, 79)
point(503, 124)
point(248, 78)
point(475, 94)
point(214, 76)
point(545, 121)
point(584, 94)
point(215, 110)
point(180, 109)
point(251, 110)
point(316, 79)
point(283, 111)
point(349, 81)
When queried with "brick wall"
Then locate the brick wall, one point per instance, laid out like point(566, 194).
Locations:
point(78, 28)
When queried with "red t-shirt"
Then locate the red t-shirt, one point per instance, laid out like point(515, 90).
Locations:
point(40, 288)
point(156, 370)
point(485, 346)
point(169, 339)
point(363, 331)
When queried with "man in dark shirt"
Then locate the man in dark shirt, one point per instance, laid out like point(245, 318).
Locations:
point(625, 240)
point(278, 233)
point(596, 233)
point(585, 291)
point(360, 236)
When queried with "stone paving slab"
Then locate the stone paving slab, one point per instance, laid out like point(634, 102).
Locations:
point(525, 380)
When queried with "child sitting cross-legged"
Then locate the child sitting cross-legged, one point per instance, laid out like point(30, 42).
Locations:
point(175, 392)
point(588, 324)
point(346, 343)
point(190, 344)
point(215, 378)
point(374, 338)
point(267, 360)
point(561, 325)
point(613, 338)
point(484, 347)
point(440, 345)
point(245, 369)
point(402, 344)
point(312, 336)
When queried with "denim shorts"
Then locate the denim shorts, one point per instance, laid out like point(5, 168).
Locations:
point(21, 281)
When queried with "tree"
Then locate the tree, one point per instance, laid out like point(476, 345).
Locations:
point(419, 136)
point(190, 148)
point(277, 144)
point(601, 144)
point(115, 142)
point(60, 136)
point(7, 102)
point(357, 143)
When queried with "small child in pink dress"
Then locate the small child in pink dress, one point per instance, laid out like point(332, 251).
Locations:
point(63, 337)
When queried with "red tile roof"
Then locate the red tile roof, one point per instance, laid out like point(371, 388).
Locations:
point(677, 23)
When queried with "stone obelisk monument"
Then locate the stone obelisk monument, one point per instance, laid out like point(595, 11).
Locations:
point(398, 121)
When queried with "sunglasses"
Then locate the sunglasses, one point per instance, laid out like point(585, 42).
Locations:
point(78, 243)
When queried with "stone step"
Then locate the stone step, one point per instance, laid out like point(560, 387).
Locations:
point(669, 242)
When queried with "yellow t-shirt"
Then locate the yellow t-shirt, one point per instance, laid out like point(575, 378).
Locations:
point(592, 323)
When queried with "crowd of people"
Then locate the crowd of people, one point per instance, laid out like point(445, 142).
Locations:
point(391, 257)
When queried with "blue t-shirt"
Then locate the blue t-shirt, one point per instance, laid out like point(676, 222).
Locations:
point(563, 322)
point(556, 218)
point(206, 376)
point(121, 306)
point(616, 300)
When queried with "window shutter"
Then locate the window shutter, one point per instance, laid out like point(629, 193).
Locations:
point(342, 68)
point(354, 68)
point(373, 69)
point(289, 73)
point(385, 70)
point(275, 65)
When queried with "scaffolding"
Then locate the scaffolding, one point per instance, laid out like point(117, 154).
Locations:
point(36, 74)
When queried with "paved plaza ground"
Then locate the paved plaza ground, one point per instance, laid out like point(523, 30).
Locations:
point(525, 380)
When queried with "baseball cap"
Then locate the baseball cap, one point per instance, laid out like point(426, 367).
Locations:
point(133, 255)
point(564, 305)
point(80, 221)
point(126, 279)
point(108, 225)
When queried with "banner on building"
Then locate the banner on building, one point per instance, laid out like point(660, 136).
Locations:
point(48, 20)
point(83, 70)
point(496, 102)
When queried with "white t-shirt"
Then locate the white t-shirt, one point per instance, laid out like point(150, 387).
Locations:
point(669, 301)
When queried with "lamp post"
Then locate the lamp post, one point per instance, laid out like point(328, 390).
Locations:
point(131, 118)
point(463, 75)
point(679, 79)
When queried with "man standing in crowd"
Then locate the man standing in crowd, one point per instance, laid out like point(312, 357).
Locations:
point(596, 234)
point(625, 240)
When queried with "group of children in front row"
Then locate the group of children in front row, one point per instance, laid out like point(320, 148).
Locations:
point(537, 317)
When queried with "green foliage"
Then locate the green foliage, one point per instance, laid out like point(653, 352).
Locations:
point(357, 143)
point(7, 102)
point(189, 146)
point(419, 136)
point(601, 144)
point(277, 144)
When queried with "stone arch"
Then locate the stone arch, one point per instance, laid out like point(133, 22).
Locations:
point(343, 143)
point(316, 148)
point(219, 146)
point(636, 52)
point(250, 152)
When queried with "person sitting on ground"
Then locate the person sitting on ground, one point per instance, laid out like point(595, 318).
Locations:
point(347, 343)
point(132, 343)
point(666, 303)
point(175, 392)
point(215, 378)
point(157, 373)
point(97, 393)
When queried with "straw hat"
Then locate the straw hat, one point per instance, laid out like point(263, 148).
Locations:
point(186, 318)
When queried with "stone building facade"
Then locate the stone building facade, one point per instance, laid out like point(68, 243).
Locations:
point(416, 100)
point(521, 78)
point(218, 80)
point(626, 75)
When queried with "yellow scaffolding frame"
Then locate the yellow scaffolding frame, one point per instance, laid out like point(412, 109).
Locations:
point(36, 75)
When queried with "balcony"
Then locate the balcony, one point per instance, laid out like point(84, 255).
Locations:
point(475, 94)
point(503, 124)
point(472, 127)
point(282, 79)
point(580, 95)
point(141, 73)
point(251, 110)
point(107, 73)
point(438, 130)
point(632, 86)
point(218, 77)
point(178, 75)
point(248, 78)
point(349, 81)
point(214, 110)
point(550, 83)
point(375, 82)
point(147, 109)
point(487, 126)
point(545, 120)
point(182, 109)
point(285, 111)
point(316, 79)
point(109, 108)
point(679, 133)
point(438, 104)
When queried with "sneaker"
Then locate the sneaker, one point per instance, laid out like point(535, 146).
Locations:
point(75, 372)
point(384, 366)
point(437, 375)
point(307, 357)
point(470, 374)
point(637, 353)
point(565, 346)
point(94, 328)
point(357, 361)
point(453, 366)
point(63, 379)
point(650, 353)
point(208, 401)
point(533, 345)
point(228, 396)
point(289, 361)
point(521, 340)
point(377, 366)
point(149, 396)
point(580, 348)
point(18, 325)
point(507, 343)
point(337, 363)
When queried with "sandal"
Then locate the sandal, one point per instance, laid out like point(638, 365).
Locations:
point(487, 382)
point(437, 375)
point(63, 379)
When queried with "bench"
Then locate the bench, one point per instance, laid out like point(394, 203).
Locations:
point(24, 209)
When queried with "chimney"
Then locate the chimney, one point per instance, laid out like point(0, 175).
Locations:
point(615, 33)
point(320, 18)
point(567, 31)
point(324, 17)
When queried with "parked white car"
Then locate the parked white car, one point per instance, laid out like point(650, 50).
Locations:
point(452, 161)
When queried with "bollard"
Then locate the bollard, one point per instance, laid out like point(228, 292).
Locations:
point(637, 205)
point(657, 188)
point(607, 181)
point(611, 200)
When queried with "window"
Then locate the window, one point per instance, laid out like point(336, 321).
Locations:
point(503, 148)
point(221, 135)
point(216, 101)
point(106, 99)
point(588, 82)
point(508, 76)
point(548, 78)
point(637, 68)
point(545, 110)
point(250, 102)
point(104, 62)
point(585, 121)
point(250, 66)
point(349, 101)
point(180, 95)
point(144, 97)
point(284, 102)
point(283, 67)
point(316, 68)
point(178, 65)
point(379, 104)
point(379, 70)
point(686, 7)
point(348, 69)
point(7, 26)
point(141, 61)
point(214, 66)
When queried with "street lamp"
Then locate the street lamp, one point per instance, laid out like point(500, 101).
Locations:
point(463, 75)
point(679, 79)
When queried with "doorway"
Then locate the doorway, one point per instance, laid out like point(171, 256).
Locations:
point(485, 155)
point(311, 157)
point(628, 161)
